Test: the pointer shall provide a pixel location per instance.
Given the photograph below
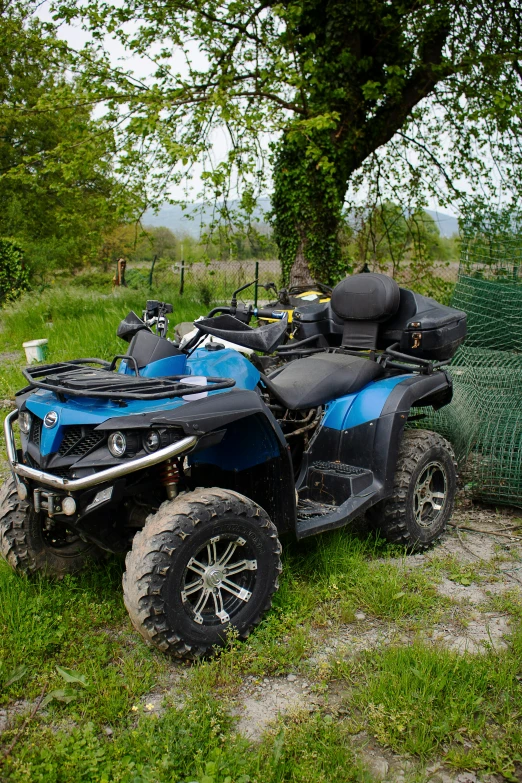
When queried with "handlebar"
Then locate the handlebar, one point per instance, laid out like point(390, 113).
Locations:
point(224, 309)
point(245, 313)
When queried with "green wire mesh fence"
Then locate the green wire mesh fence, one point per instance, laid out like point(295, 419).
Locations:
point(484, 420)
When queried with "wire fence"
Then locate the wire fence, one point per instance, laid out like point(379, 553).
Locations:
point(209, 283)
point(484, 420)
point(214, 282)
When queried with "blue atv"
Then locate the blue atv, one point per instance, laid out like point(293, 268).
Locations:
point(194, 462)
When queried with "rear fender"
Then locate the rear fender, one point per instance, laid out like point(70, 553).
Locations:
point(367, 433)
point(416, 391)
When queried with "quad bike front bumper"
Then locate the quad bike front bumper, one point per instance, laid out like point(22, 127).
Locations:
point(20, 470)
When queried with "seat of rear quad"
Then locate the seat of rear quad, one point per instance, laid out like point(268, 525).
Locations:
point(316, 380)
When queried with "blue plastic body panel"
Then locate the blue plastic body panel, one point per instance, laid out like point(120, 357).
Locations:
point(85, 410)
point(366, 405)
point(247, 443)
point(227, 363)
point(172, 365)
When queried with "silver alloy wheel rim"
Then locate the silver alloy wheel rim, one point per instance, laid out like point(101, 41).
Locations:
point(208, 590)
point(429, 494)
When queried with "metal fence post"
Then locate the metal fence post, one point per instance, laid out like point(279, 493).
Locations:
point(152, 270)
point(256, 283)
point(182, 278)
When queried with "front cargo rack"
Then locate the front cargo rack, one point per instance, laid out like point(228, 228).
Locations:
point(77, 378)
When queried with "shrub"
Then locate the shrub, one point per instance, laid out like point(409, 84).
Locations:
point(205, 293)
point(93, 280)
point(14, 279)
point(136, 279)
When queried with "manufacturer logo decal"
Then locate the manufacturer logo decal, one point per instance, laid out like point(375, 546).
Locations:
point(50, 419)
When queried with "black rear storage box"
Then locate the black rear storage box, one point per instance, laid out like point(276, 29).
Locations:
point(424, 328)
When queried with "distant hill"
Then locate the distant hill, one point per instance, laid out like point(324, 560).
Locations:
point(198, 215)
point(192, 219)
point(448, 225)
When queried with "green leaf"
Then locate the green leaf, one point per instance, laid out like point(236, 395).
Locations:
point(64, 695)
point(16, 675)
point(70, 676)
point(398, 596)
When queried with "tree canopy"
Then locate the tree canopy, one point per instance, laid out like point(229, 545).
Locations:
point(58, 189)
point(324, 102)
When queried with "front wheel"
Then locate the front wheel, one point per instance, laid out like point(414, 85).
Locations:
point(32, 543)
point(423, 494)
point(203, 563)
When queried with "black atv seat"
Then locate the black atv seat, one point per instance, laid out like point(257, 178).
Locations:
point(363, 302)
point(316, 380)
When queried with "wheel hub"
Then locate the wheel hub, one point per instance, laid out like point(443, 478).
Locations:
point(429, 494)
point(216, 584)
point(213, 577)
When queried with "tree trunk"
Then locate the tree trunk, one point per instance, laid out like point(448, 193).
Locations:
point(307, 212)
point(300, 273)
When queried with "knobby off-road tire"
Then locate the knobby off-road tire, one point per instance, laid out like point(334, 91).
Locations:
point(423, 494)
point(215, 537)
point(27, 547)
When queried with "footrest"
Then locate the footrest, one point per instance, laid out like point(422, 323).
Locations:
point(309, 509)
point(339, 467)
point(333, 483)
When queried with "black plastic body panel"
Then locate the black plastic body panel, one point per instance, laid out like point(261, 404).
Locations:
point(198, 417)
point(147, 347)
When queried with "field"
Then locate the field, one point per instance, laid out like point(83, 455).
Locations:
point(372, 665)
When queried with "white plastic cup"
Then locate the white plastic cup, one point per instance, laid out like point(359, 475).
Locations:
point(194, 380)
point(35, 350)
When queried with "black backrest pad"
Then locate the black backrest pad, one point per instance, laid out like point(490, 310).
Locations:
point(366, 297)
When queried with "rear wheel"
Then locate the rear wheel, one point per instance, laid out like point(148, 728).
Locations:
point(31, 544)
point(423, 494)
point(203, 563)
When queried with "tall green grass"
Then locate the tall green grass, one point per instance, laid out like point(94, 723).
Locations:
point(77, 324)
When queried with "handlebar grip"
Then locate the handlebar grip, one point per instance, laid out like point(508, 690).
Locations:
point(269, 312)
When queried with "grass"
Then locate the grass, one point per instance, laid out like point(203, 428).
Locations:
point(420, 700)
point(77, 323)
point(73, 639)
point(79, 624)
point(194, 743)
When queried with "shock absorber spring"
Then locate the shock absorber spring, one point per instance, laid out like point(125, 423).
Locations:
point(170, 477)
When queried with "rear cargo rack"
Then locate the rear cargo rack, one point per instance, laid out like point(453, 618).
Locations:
point(77, 379)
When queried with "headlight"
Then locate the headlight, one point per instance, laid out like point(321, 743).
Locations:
point(24, 420)
point(152, 441)
point(117, 444)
